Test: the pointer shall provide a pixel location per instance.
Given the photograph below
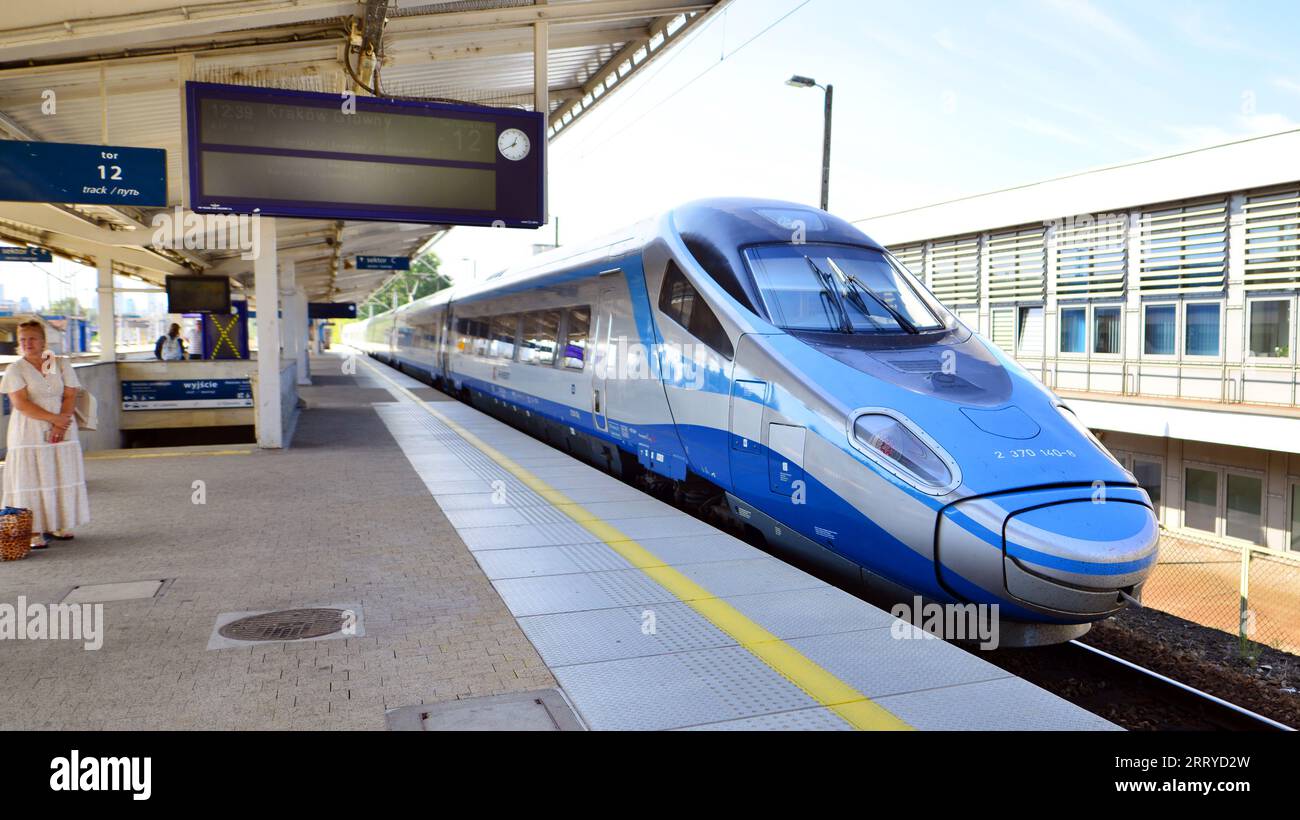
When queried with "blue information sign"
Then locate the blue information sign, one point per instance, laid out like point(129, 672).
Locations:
point(25, 255)
point(333, 156)
point(383, 263)
point(185, 394)
point(65, 172)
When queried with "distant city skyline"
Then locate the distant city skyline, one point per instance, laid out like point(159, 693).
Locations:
point(43, 284)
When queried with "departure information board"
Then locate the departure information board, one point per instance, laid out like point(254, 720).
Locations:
point(305, 154)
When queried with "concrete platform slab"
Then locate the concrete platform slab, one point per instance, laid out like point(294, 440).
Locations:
point(339, 516)
point(121, 591)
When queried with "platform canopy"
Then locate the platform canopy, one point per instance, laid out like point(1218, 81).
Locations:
point(112, 72)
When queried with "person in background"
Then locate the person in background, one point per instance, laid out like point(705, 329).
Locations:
point(43, 470)
point(170, 348)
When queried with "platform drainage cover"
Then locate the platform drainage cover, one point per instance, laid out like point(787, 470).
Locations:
point(286, 625)
point(544, 710)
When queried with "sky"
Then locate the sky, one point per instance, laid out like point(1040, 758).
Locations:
point(933, 99)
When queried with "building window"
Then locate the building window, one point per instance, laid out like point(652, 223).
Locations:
point(1270, 328)
point(1245, 517)
point(1074, 330)
point(1159, 328)
point(1029, 332)
point(1149, 475)
point(1201, 500)
point(1295, 516)
point(575, 342)
point(1105, 330)
point(1202, 329)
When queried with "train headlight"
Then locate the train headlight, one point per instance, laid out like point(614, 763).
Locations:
point(890, 442)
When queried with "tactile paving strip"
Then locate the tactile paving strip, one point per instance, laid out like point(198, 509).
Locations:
point(678, 689)
point(570, 638)
point(800, 720)
point(528, 562)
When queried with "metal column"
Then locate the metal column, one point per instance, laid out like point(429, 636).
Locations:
point(107, 315)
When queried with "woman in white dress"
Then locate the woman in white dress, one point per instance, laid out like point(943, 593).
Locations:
point(43, 468)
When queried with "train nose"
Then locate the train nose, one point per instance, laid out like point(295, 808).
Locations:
point(1074, 552)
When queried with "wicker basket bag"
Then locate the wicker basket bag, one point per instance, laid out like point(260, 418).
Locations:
point(15, 533)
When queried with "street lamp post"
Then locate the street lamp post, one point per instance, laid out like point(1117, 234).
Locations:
point(808, 82)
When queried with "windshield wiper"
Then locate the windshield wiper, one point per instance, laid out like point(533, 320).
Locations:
point(832, 294)
point(903, 321)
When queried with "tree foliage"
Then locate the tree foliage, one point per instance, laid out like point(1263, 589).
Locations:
point(423, 279)
point(67, 306)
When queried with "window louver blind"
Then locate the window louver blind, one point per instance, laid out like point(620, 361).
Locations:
point(1003, 327)
point(1016, 262)
point(1091, 256)
point(913, 258)
point(1273, 239)
point(955, 270)
point(1184, 248)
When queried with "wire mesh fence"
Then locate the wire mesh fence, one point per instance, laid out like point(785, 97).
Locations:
point(1248, 592)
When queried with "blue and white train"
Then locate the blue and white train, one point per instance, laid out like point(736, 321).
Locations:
point(775, 356)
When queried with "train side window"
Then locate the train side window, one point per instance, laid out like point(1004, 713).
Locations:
point(537, 342)
point(480, 332)
point(462, 335)
point(503, 337)
point(575, 342)
point(473, 336)
point(682, 303)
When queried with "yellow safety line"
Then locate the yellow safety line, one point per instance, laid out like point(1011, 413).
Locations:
point(93, 457)
point(172, 455)
point(819, 684)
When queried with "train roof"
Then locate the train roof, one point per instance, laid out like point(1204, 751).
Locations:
point(714, 231)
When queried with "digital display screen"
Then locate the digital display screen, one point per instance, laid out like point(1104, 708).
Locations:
point(309, 128)
point(304, 154)
point(349, 182)
point(198, 294)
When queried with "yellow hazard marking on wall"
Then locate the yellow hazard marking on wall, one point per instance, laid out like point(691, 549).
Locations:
point(223, 332)
point(822, 686)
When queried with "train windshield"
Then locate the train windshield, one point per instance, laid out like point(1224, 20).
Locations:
point(840, 289)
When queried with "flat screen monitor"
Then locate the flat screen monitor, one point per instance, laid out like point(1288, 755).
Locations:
point(314, 155)
point(198, 294)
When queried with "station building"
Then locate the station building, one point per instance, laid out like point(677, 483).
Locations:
point(1159, 299)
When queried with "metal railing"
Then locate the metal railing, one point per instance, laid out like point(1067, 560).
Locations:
point(1234, 380)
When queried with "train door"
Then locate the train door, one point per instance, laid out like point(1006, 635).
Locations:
point(440, 357)
point(605, 353)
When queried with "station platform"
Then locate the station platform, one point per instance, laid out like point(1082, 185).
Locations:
point(480, 562)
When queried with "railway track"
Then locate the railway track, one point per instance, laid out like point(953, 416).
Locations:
point(1211, 708)
point(1126, 693)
